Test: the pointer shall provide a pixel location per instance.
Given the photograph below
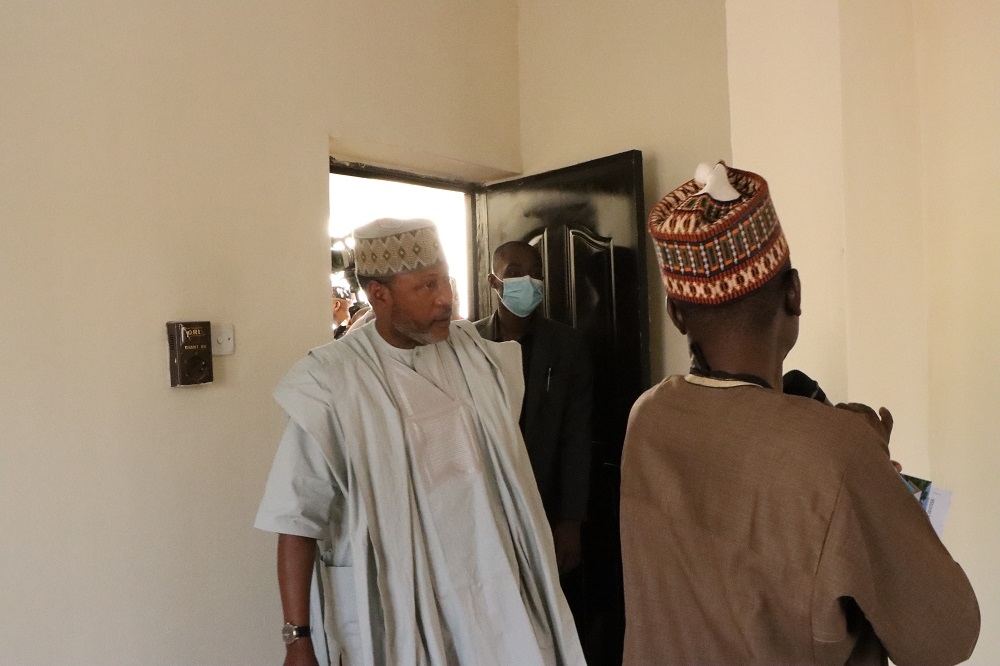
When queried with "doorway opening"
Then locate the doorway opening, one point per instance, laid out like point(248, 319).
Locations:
point(587, 222)
point(356, 200)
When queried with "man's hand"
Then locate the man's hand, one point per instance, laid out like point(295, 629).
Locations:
point(566, 536)
point(300, 653)
point(881, 422)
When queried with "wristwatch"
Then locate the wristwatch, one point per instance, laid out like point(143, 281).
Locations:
point(291, 633)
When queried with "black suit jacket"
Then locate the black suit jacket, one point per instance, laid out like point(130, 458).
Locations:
point(558, 398)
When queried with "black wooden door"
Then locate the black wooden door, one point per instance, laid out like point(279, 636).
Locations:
point(587, 221)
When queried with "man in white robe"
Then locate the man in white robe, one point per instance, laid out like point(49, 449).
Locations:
point(402, 482)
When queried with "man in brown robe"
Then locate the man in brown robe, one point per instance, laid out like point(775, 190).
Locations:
point(759, 527)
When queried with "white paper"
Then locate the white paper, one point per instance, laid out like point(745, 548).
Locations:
point(938, 503)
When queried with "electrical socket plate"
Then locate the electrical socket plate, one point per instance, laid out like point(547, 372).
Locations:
point(222, 339)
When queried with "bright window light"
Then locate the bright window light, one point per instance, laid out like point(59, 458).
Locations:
point(356, 201)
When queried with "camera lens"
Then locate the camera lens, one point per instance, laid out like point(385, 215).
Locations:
point(341, 260)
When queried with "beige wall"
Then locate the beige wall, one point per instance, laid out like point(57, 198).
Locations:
point(598, 78)
point(860, 114)
point(167, 161)
point(824, 100)
point(886, 276)
point(429, 86)
point(157, 162)
point(959, 81)
point(785, 96)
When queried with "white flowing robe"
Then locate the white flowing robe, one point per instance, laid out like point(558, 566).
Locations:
point(434, 543)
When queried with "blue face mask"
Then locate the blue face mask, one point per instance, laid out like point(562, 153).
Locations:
point(521, 295)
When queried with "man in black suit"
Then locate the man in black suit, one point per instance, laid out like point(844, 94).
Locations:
point(555, 419)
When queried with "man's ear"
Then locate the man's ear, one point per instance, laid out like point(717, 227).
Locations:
point(496, 283)
point(379, 294)
point(793, 293)
point(676, 316)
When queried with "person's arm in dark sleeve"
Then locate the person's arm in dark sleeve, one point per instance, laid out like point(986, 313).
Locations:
point(574, 457)
point(574, 440)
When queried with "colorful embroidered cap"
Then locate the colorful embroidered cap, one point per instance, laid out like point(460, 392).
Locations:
point(388, 247)
point(717, 236)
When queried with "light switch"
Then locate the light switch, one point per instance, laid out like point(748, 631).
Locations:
point(222, 339)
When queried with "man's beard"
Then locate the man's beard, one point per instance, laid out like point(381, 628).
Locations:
point(409, 328)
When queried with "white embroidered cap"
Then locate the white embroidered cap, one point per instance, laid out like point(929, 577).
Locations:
point(389, 246)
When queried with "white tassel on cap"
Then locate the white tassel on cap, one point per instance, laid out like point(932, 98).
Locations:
point(701, 173)
point(715, 182)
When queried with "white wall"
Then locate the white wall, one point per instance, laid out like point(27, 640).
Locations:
point(599, 78)
point(167, 161)
point(959, 81)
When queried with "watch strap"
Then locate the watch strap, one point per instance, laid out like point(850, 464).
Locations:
point(291, 633)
